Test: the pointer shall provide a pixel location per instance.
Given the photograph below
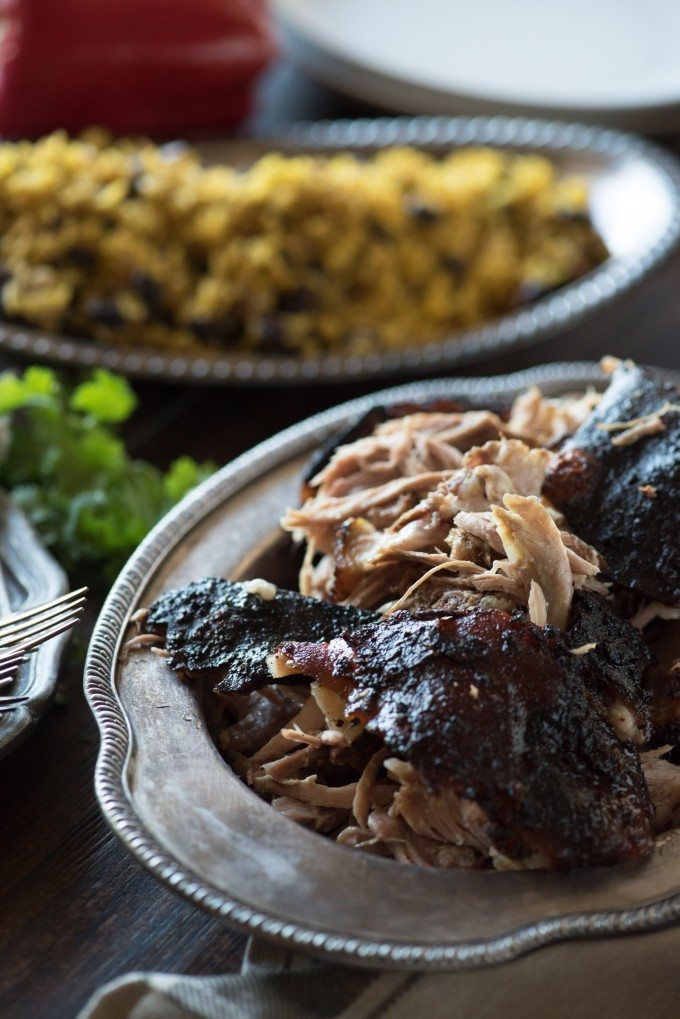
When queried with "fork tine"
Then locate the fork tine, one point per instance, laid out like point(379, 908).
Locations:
point(29, 630)
point(48, 610)
point(9, 673)
point(12, 656)
point(8, 680)
point(10, 669)
point(24, 632)
point(17, 617)
point(18, 699)
point(15, 629)
point(5, 708)
point(46, 635)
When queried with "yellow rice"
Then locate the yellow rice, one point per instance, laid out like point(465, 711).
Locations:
point(131, 243)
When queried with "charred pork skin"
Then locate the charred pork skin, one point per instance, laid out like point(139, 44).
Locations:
point(616, 660)
point(224, 630)
point(518, 724)
point(617, 480)
point(498, 710)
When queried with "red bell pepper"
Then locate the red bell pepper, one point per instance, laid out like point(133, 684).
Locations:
point(158, 67)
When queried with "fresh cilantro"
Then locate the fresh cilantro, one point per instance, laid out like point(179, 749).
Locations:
point(67, 468)
point(34, 386)
point(105, 397)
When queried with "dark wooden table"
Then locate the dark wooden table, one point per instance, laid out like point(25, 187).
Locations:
point(75, 909)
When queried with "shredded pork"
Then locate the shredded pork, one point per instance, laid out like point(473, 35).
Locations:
point(438, 510)
point(382, 528)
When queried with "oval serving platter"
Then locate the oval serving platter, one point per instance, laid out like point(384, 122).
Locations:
point(179, 808)
point(635, 205)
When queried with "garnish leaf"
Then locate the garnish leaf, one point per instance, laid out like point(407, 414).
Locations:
point(67, 468)
point(105, 397)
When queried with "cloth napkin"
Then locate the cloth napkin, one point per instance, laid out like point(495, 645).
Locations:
point(613, 978)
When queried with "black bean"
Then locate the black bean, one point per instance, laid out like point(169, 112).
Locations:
point(80, 256)
point(421, 210)
point(149, 289)
point(198, 263)
point(572, 216)
point(135, 186)
point(455, 265)
point(297, 300)
point(201, 326)
point(104, 311)
point(220, 328)
point(271, 335)
point(378, 231)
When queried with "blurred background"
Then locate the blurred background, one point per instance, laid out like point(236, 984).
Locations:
point(610, 62)
point(170, 66)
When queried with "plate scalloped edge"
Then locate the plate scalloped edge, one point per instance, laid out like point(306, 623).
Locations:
point(116, 738)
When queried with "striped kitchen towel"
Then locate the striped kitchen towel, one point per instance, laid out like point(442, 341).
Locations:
point(613, 978)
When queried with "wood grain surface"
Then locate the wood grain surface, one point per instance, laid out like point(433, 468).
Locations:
point(75, 908)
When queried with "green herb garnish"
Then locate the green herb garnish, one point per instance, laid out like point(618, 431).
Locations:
point(67, 469)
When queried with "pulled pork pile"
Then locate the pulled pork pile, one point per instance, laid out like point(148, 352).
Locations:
point(442, 510)
point(483, 665)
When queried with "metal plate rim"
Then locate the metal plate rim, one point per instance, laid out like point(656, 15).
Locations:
point(531, 324)
point(116, 739)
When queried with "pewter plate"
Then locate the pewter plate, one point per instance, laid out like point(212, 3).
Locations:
point(635, 205)
point(179, 808)
point(28, 576)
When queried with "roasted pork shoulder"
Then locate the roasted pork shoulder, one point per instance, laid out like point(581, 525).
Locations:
point(225, 630)
point(498, 711)
point(482, 668)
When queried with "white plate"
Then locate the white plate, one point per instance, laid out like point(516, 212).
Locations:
point(608, 61)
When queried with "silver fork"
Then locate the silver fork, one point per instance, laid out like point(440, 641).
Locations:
point(10, 663)
point(23, 632)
